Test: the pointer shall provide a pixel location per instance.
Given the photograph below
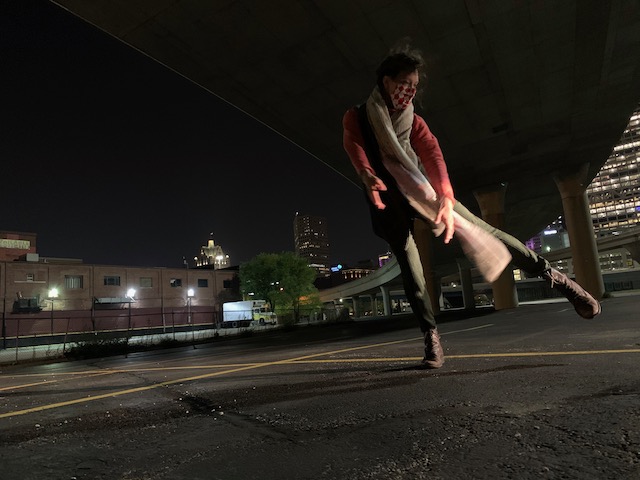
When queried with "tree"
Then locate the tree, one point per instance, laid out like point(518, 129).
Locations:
point(279, 278)
point(230, 294)
point(258, 278)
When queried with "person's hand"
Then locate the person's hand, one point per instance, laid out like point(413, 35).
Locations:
point(445, 214)
point(373, 186)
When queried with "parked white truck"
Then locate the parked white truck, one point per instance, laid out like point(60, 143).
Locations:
point(245, 312)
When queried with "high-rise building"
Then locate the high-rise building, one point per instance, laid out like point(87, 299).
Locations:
point(614, 195)
point(384, 258)
point(553, 237)
point(614, 201)
point(212, 254)
point(311, 239)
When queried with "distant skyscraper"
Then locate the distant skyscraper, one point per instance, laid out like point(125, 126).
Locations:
point(212, 254)
point(311, 239)
point(553, 237)
point(614, 200)
point(614, 195)
point(384, 258)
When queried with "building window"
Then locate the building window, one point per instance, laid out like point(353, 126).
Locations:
point(30, 277)
point(176, 282)
point(146, 282)
point(226, 284)
point(73, 281)
point(113, 280)
point(203, 283)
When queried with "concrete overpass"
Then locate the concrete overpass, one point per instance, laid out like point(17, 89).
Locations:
point(527, 97)
point(386, 280)
point(630, 240)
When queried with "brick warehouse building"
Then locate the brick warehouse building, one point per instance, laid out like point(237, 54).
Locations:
point(95, 297)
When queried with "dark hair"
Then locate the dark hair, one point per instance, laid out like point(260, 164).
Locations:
point(401, 59)
point(406, 60)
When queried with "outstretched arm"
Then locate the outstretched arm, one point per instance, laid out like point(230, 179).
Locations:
point(426, 146)
point(373, 185)
point(353, 143)
point(445, 214)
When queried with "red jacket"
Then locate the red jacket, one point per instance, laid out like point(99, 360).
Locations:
point(423, 142)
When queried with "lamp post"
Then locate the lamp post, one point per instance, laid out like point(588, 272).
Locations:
point(53, 294)
point(190, 294)
point(131, 293)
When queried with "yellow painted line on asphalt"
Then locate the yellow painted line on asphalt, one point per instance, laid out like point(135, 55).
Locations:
point(479, 327)
point(302, 359)
point(195, 367)
point(53, 380)
point(109, 371)
point(545, 354)
point(477, 355)
point(122, 392)
point(190, 379)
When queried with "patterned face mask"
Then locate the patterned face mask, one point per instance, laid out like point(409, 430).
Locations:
point(402, 96)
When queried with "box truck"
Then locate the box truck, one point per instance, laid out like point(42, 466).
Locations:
point(245, 312)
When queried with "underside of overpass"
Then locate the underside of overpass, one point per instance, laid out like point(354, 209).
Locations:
point(387, 280)
point(518, 91)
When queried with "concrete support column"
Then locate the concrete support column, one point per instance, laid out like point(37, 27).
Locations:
point(356, 306)
point(372, 304)
point(466, 281)
point(424, 241)
point(491, 202)
point(586, 265)
point(386, 301)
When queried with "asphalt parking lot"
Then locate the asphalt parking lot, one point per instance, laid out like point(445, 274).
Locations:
point(532, 392)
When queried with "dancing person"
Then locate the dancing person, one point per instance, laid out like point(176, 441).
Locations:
point(404, 175)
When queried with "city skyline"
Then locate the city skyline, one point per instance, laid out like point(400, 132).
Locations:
point(114, 159)
point(614, 202)
point(311, 240)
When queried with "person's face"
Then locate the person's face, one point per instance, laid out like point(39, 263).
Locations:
point(401, 89)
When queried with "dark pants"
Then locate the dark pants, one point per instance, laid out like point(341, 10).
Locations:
point(400, 234)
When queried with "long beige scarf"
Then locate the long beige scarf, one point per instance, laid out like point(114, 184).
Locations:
point(393, 135)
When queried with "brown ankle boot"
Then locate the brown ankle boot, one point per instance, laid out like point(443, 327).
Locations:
point(583, 302)
point(433, 354)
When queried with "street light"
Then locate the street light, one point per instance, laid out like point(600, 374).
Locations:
point(131, 293)
point(53, 294)
point(190, 294)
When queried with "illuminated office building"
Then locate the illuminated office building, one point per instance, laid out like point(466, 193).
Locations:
point(212, 255)
point(384, 258)
point(553, 237)
point(614, 202)
point(311, 239)
point(614, 195)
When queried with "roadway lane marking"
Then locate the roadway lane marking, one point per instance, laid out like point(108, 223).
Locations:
point(195, 367)
point(302, 359)
point(467, 329)
point(48, 382)
point(545, 354)
point(199, 377)
point(125, 392)
point(477, 355)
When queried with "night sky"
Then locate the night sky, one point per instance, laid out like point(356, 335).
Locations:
point(110, 157)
